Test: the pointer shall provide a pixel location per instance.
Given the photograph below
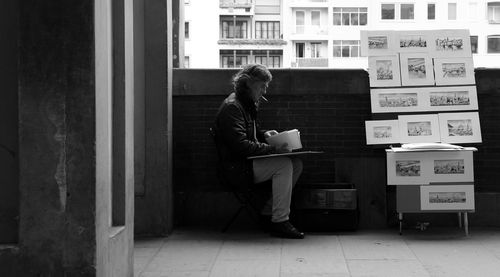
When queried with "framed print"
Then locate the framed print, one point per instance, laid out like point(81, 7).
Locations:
point(396, 100)
point(377, 43)
point(460, 127)
point(454, 71)
point(408, 168)
point(451, 166)
point(413, 41)
point(447, 197)
point(451, 98)
point(384, 71)
point(416, 69)
point(382, 131)
point(419, 128)
point(451, 43)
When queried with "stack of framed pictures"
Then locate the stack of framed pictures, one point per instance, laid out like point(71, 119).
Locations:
point(423, 82)
point(422, 71)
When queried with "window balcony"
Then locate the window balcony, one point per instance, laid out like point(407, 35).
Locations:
point(308, 3)
point(310, 62)
point(235, 3)
point(310, 30)
point(250, 41)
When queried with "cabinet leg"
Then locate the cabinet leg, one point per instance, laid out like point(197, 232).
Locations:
point(400, 219)
point(466, 224)
point(460, 219)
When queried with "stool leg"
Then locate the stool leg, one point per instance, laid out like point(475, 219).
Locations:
point(466, 224)
point(459, 219)
point(400, 219)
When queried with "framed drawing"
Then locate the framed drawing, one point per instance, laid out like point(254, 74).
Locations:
point(384, 71)
point(377, 43)
point(451, 43)
point(419, 128)
point(460, 127)
point(382, 131)
point(397, 100)
point(451, 166)
point(447, 197)
point(416, 69)
point(454, 71)
point(408, 169)
point(451, 98)
point(413, 41)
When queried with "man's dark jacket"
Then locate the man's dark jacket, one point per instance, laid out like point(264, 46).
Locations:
point(238, 137)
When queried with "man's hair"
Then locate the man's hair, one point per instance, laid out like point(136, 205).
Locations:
point(253, 72)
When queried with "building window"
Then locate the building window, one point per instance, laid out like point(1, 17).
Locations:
point(271, 61)
point(346, 48)
point(315, 18)
point(452, 11)
point(431, 11)
point(388, 11)
point(187, 2)
point(494, 12)
point(315, 50)
point(494, 44)
point(473, 44)
point(350, 16)
point(299, 22)
point(234, 29)
point(234, 61)
point(186, 61)
point(186, 30)
point(267, 30)
point(407, 11)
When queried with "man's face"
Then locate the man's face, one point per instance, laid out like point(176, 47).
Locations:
point(257, 88)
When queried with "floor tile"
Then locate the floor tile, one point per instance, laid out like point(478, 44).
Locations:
point(386, 268)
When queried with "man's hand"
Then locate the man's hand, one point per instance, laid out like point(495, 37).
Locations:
point(283, 149)
point(270, 133)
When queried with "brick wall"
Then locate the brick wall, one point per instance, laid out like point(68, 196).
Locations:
point(329, 108)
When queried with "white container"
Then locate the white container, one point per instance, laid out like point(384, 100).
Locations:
point(291, 137)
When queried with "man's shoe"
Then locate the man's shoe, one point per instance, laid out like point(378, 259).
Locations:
point(285, 230)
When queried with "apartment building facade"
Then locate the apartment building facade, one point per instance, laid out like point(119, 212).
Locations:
point(324, 33)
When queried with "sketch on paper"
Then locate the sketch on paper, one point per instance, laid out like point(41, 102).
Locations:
point(449, 98)
point(449, 166)
point(398, 100)
point(460, 127)
point(454, 70)
point(384, 70)
point(412, 42)
point(420, 128)
point(408, 168)
point(449, 44)
point(447, 197)
point(382, 132)
point(378, 42)
point(416, 68)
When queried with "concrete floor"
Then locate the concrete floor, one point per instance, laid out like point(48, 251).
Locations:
point(433, 252)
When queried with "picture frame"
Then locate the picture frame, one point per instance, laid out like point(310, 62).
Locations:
point(419, 128)
point(382, 131)
point(454, 71)
point(395, 100)
point(416, 69)
point(451, 166)
point(378, 43)
point(451, 43)
point(408, 168)
point(447, 197)
point(413, 41)
point(384, 71)
point(460, 127)
point(451, 98)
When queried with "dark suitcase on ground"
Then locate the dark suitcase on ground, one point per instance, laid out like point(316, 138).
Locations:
point(325, 207)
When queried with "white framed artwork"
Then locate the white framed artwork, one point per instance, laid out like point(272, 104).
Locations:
point(447, 197)
point(384, 71)
point(393, 100)
point(450, 43)
point(408, 169)
point(382, 131)
point(454, 71)
point(451, 98)
point(451, 166)
point(416, 69)
point(460, 127)
point(413, 41)
point(419, 128)
point(378, 43)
